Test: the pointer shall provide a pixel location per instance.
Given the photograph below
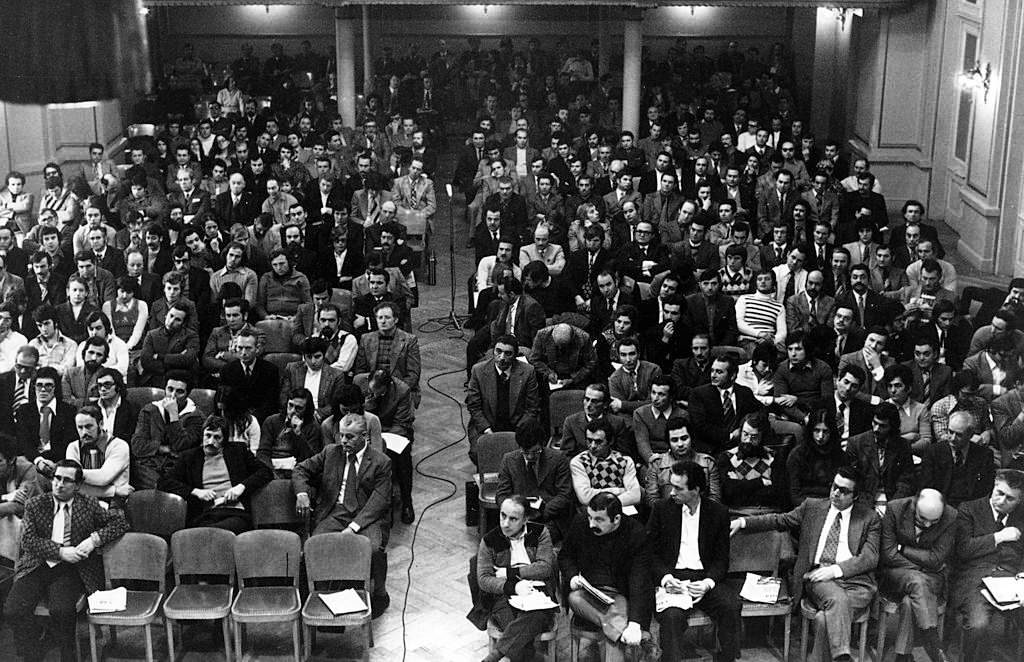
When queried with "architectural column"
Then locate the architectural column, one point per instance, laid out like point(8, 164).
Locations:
point(367, 56)
point(344, 41)
point(632, 36)
point(604, 40)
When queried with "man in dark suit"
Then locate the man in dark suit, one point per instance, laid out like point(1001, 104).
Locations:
point(236, 205)
point(17, 386)
point(150, 285)
point(194, 201)
point(607, 297)
point(487, 234)
point(932, 381)
point(810, 308)
point(255, 378)
point(502, 392)
point(41, 445)
point(111, 390)
point(662, 205)
point(642, 259)
point(314, 352)
point(1008, 424)
point(165, 430)
point(774, 252)
point(43, 284)
point(853, 416)
point(59, 572)
point(516, 313)
point(989, 544)
point(837, 579)
point(711, 312)
point(583, 266)
point(209, 503)
point(863, 202)
point(351, 483)
point(918, 534)
point(869, 307)
point(541, 475)
point(883, 458)
point(697, 564)
point(403, 360)
point(718, 408)
point(959, 468)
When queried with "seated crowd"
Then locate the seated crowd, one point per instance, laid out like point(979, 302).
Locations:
point(746, 337)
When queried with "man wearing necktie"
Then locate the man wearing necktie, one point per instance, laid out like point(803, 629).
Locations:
point(352, 481)
point(989, 545)
point(836, 559)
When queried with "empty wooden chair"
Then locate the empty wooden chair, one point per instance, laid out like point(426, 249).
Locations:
point(337, 560)
point(202, 551)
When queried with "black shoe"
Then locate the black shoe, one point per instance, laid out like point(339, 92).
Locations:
point(379, 604)
point(408, 514)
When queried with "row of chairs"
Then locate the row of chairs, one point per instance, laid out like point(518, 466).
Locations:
point(247, 561)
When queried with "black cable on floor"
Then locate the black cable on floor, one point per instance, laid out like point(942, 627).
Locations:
point(454, 489)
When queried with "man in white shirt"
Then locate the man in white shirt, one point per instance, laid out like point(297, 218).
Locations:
point(10, 341)
point(791, 277)
point(836, 559)
point(104, 458)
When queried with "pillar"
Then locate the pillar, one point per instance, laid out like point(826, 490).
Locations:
point(367, 56)
point(344, 41)
point(604, 40)
point(632, 37)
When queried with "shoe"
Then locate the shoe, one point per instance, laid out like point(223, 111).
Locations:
point(379, 604)
point(408, 514)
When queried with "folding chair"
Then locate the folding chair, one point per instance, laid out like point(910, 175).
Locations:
point(278, 334)
point(760, 553)
point(203, 397)
point(561, 405)
point(156, 512)
point(337, 558)
point(136, 557)
point(201, 551)
point(490, 448)
point(282, 359)
point(260, 555)
point(140, 396)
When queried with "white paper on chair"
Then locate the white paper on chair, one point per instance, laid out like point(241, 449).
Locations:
point(104, 602)
point(663, 600)
point(532, 601)
point(343, 602)
point(1003, 592)
point(395, 443)
point(757, 588)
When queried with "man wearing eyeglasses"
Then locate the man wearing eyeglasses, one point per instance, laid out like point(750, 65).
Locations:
point(917, 538)
point(836, 560)
point(59, 561)
point(45, 423)
point(17, 386)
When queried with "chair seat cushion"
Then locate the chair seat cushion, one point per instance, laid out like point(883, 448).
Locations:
point(140, 608)
point(198, 602)
point(266, 603)
point(315, 612)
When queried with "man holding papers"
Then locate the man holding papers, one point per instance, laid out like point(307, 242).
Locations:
point(689, 541)
point(917, 538)
point(515, 559)
point(605, 557)
point(989, 544)
point(59, 562)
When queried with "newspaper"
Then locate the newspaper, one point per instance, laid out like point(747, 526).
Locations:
point(664, 600)
point(105, 602)
point(757, 588)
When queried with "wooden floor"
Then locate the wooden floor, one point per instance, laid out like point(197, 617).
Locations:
point(429, 595)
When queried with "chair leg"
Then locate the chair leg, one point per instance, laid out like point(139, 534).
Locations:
point(785, 641)
point(170, 639)
point(864, 641)
point(369, 632)
point(803, 638)
point(297, 640)
point(307, 643)
point(225, 626)
point(883, 622)
point(149, 643)
point(92, 643)
point(237, 627)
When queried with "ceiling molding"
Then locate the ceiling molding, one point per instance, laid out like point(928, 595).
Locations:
point(642, 4)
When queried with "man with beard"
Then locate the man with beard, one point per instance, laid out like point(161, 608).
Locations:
point(168, 347)
point(753, 476)
point(299, 256)
point(884, 459)
point(217, 480)
point(657, 482)
point(79, 384)
point(688, 538)
point(342, 345)
point(609, 551)
point(104, 458)
point(810, 308)
point(515, 559)
point(918, 535)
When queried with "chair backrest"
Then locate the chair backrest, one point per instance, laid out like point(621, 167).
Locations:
point(135, 130)
point(136, 556)
point(140, 396)
point(490, 448)
point(156, 512)
point(278, 335)
point(268, 553)
point(203, 397)
point(757, 552)
point(274, 505)
point(337, 557)
point(562, 404)
point(203, 550)
point(282, 359)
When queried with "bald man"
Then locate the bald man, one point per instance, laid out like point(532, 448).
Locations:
point(236, 205)
point(918, 534)
point(563, 356)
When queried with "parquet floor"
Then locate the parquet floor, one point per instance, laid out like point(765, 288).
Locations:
point(429, 595)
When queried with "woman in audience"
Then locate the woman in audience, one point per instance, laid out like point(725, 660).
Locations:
point(223, 148)
point(813, 463)
point(242, 425)
point(129, 316)
point(591, 216)
point(623, 325)
point(97, 325)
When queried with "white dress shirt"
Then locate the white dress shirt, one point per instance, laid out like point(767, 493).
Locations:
point(843, 552)
point(689, 553)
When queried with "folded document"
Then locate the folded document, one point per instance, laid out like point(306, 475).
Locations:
point(104, 602)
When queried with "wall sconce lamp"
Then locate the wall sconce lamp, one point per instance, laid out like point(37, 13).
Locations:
point(841, 14)
point(978, 78)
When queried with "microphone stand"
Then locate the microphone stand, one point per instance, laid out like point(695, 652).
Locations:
point(451, 322)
